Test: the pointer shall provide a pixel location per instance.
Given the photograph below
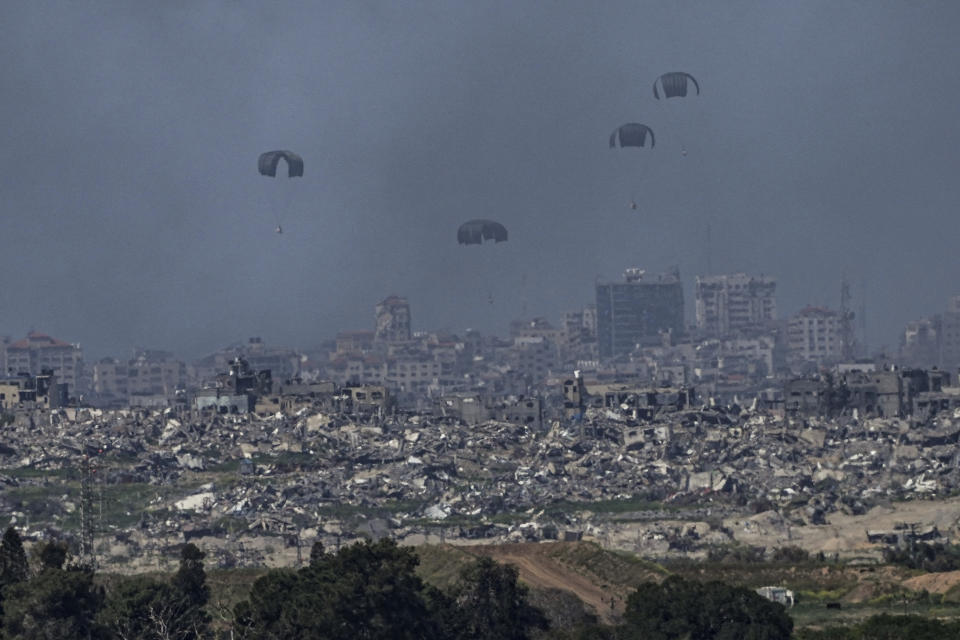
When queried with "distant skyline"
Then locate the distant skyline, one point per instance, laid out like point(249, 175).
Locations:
point(824, 142)
point(315, 341)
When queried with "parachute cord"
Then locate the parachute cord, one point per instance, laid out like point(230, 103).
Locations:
point(283, 212)
point(675, 129)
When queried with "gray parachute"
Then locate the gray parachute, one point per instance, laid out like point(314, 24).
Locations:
point(674, 85)
point(632, 134)
point(268, 161)
point(476, 231)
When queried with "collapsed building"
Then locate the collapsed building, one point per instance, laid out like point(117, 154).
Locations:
point(474, 408)
point(640, 402)
point(235, 391)
point(866, 392)
point(27, 392)
point(317, 460)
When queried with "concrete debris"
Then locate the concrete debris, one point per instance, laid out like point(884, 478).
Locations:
point(416, 474)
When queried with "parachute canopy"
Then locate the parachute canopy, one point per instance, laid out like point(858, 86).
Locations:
point(267, 164)
point(674, 85)
point(476, 231)
point(631, 135)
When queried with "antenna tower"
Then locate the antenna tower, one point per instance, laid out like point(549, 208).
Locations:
point(86, 510)
point(848, 346)
point(91, 509)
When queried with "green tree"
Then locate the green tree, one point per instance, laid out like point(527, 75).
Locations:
point(267, 613)
point(51, 554)
point(56, 604)
point(928, 557)
point(13, 559)
point(150, 609)
point(678, 608)
point(367, 590)
point(143, 608)
point(192, 594)
point(317, 552)
point(13, 562)
point(493, 604)
point(790, 555)
point(888, 627)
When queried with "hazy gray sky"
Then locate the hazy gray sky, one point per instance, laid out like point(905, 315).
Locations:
point(825, 140)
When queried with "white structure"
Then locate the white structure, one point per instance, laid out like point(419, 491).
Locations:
point(733, 302)
point(777, 594)
point(38, 352)
point(813, 335)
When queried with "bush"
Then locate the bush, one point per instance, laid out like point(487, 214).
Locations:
point(679, 608)
point(934, 558)
point(790, 555)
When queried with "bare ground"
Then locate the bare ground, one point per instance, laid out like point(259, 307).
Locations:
point(933, 582)
point(539, 569)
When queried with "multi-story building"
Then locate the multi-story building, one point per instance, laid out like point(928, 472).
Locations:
point(533, 357)
point(155, 374)
point(734, 302)
point(814, 335)
point(110, 377)
point(638, 310)
point(536, 328)
point(393, 320)
point(920, 344)
point(412, 372)
point(579, 328)
point(353, 342)
point(38, 351)
point(589, 318)
point(934, 341)
point(283, 362)
point(357, 368)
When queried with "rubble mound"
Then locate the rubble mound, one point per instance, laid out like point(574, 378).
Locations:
point(934, 582)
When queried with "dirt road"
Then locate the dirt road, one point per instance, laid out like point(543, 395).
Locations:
point(539, 570)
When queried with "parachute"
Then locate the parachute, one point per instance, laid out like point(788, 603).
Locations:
point(674, 85)
point(476, 231)
point(631, 134)
point(282, 194)
point(268, 161)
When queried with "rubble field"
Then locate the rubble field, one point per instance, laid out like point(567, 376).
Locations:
point(258, 490)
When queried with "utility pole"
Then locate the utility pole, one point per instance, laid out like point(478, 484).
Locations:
point(848, 350)
point(87, 511)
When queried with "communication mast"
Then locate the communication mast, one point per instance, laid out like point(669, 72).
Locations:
point(86, 510)
point(91, 509)
point(848, 340)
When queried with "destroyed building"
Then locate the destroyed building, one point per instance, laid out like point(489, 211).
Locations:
point(26, 392)
point(235, 391)
point(473, 408)
point(293, 395)
point(393, 320)
point(483, 468)
point(283, 362)
point(934, 340)
point(892, 392)
point(638, 402)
